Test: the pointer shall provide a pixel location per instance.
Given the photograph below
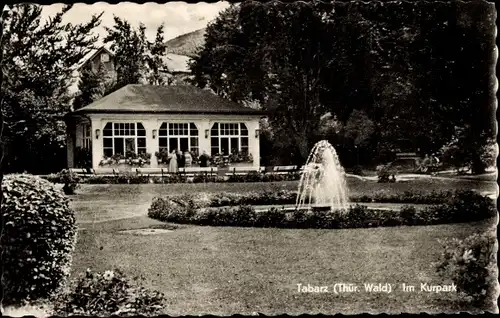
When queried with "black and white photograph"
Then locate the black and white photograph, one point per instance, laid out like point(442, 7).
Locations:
point(254, 158)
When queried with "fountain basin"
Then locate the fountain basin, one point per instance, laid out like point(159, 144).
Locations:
point(396, 207)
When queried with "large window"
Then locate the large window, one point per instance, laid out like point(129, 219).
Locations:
point(123, 138)
point(87, 138)
point(229, 138)
point(178, 136)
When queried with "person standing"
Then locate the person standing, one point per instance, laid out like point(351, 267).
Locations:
point(188, 159)
point(180, 159)
point(172, 164)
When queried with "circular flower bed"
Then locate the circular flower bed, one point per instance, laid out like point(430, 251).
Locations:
point(235, 210)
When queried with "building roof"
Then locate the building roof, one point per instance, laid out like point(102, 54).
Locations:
point(90, 55)
point(182, 99)
point(176, 63)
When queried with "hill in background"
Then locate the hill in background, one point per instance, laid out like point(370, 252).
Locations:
point(187, 44)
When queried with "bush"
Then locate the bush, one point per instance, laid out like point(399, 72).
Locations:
point(168, 210)
point(106, 294)
point(39, 235)
point(205, 178)
point(70, 181)
point(244, 215)
point(229, 209)
point(471, 265)
point(273, 217)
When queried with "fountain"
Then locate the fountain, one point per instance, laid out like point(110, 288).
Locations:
point(322, 182)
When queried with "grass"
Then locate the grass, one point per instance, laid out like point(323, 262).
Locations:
point(221, 271)
point(224, 270)
point(106, 202)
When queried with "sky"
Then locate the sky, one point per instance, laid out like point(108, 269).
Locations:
point(179, 17)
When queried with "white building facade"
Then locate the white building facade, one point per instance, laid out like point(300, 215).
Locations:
point(146, 120)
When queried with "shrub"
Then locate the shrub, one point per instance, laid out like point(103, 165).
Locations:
point(244, 215)
point(168, 210)
point(409, 215)
point(229, 209)
point(470, 264)
point(70, 181)
point(272, 217)
point(38, 238)
point(106, 294)
point(204, 178)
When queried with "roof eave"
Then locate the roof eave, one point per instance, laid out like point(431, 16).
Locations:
point(188, 112)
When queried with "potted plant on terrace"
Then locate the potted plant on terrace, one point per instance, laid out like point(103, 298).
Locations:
point(162, 156)
point(130, 159)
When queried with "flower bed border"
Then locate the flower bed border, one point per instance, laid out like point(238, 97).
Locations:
point(202, 177)
point(189, 211)
point(282, 197)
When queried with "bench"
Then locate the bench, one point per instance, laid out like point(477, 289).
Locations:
point(284, 169)
point(242, 170)
point(105, 171)
point(82, 172)
point(148, 171)
point(192, 171)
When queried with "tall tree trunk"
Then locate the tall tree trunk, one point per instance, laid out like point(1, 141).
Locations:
point(303, 147)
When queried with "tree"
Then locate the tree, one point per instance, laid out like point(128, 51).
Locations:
point(415, 69)
point(136, 59)
point(92, 85)
point(37, 59)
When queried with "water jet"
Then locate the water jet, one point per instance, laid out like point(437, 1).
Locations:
point(322, 182)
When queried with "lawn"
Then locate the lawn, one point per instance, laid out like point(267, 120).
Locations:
point(97, 203)
point(220, 271)
point(223, 270)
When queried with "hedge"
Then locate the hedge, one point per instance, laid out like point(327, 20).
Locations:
point(357, 216)
point(39, 235)
point(283, 197)
point(134, 178)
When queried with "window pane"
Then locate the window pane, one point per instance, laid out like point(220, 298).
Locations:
point(119, 146)
point(224, 146)
point(108, 152)
point(244, 142)
point(214, 151)
point(184, 144)
point(215, 130)
point(244, 130)
point(141, 150)
point(140, 130)
point(141, 142)
point(244, 150)
point(194, 142)
point(163, 142)
point(130, 145)
point(173, 144)
point(108, 131)
point(234, 145)
point(107, 142)
point(214, 142)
